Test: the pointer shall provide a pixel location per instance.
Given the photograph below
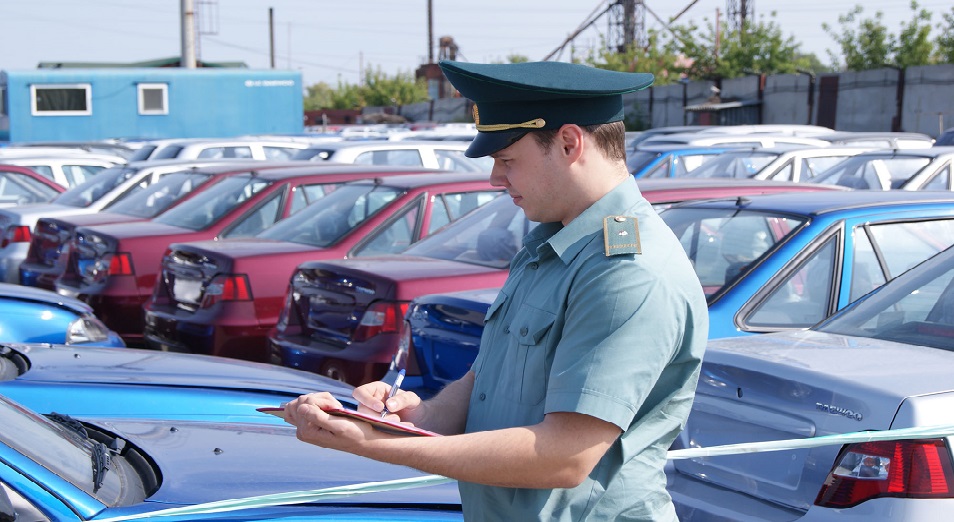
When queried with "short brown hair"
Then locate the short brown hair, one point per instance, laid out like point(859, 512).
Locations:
point(610, 138)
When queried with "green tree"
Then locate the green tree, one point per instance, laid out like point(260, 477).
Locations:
point(381, 90)
point(320, 96)
point(914, 41)
point(658, 57)
point(944, 44)
point(865, 43)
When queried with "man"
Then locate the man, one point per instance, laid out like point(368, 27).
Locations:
point(590, 354)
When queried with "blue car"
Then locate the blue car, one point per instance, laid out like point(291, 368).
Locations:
point(32, 315)
point(147, 384)
point(70, 468)
point(767, 263)
point(669, 161)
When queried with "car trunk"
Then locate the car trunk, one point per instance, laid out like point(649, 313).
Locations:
point(789, 386)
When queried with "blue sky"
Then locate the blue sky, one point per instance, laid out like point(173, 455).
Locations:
point(331, 40)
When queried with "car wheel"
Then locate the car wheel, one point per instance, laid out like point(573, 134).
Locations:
point(335, 369)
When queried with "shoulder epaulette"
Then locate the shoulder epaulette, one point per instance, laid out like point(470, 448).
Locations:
point(621, 235)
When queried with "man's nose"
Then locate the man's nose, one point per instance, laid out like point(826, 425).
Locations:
point(497, 177)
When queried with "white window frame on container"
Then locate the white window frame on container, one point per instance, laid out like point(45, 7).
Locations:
point(88, 99)
point(163, 87)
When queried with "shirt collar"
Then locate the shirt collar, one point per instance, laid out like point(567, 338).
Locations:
point(567, 241)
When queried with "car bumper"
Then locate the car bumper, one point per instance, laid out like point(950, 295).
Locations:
point(360, 362)
point(41, 276)
point(10, 258)
point(177, 333)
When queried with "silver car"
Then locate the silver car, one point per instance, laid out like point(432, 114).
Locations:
point(884, 363)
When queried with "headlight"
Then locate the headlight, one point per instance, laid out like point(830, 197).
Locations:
point(86, 330)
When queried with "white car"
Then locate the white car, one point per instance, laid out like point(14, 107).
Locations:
point(65, 168)
point(775, 163)
point(93, 195)
point(716, 139)
point(430, 154)
point(882, 364)
point(216, 148)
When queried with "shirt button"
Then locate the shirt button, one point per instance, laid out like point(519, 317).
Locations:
point(483, 396)
point(533, 266)
point(507, 330)
point(523, 331)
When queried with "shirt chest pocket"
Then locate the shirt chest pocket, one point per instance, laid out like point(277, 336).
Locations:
point(529, 355)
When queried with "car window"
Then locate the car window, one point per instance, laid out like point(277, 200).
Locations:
point(76, 174)
point(167, 152)
point(261, 217)
point(304, 195)
point(683, 165)
point(916, 309)
point(273, 152)
point(812, 167)
point(906, 244)
point(402, 158)
point(734, 165)
point(151, 200)
point(226, 152)
point(210, 205)
point(866, 272)
point(636, 160)
point(451, 206)
point(723, 243)
point(20, 189)
point(44, 170)
point(941, 180)
point(488, 236)
point(804, 297)
point(332, 217)
point(399, 233)
point(84, 194)
point(449, 159)
point(873, 173)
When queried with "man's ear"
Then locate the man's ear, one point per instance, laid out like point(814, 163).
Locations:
point(571, 141)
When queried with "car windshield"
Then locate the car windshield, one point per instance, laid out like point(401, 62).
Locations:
point(488, 236)
point(868, 172)
point(723, 243)
point(636, 160)
point(324, 222)
point(87, 192)
point(742, 164)
point(54, 446)
point(151, 200)
point(915, 308)
point(210, 205)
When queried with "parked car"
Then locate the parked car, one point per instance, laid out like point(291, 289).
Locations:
point(720, 139)
point(67, 170)
point(190, 310)
point(91, 196)
point(880, 140)
point(883, 363)
point(218, 148)
point(776, 163)
point(633, 141)
point(445, 155)
point(32, 315)
point(107, 147)
point(900, 169)
point(786, 261)
point(114, 267)
point(945, 139)
point(351, 332)
point(63, 468)
point(668, 161)
point(47, 255)
point(23, 186)
point(146, 384)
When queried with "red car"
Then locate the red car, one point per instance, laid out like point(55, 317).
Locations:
point(20, 186)
point(114, 267)
point(222, 297)
point(342, 318)
point(45, 260)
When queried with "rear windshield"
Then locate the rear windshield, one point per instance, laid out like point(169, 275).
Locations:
point(157, 197)
point(210, 205)
point(723, 243)
point(84, 194)
point(488, 236)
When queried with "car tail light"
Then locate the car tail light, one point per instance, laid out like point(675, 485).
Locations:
point(120, 263)
point(15, 234)
point(380, 318)
point(903, 468)
point(227, 288)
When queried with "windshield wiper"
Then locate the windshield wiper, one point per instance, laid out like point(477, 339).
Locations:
point(100, 452)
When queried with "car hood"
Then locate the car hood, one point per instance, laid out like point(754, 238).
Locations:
point(210, 461)
point(29, 293)
point(798, 385)
point(141, 367)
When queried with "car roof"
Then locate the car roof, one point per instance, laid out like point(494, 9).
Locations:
point(389, 144)
point(931, 152)
point(429, 178)
point(682, 148)
point(688, 183)
point(328, 169)
point(818, 203)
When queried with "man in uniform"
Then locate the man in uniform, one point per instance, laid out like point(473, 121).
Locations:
point(590, 354)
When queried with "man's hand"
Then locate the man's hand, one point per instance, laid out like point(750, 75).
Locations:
point(317, 427)
point(403, 407)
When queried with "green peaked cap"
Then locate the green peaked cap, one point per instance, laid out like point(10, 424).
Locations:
point(513, 99)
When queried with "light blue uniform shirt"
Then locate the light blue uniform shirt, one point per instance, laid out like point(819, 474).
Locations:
point(619, 337)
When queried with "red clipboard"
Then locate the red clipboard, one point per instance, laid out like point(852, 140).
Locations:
point(397, 428)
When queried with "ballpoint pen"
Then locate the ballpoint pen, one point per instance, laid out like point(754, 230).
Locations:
point(394, 388)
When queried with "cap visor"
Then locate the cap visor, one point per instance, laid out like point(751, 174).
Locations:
point(487, 143)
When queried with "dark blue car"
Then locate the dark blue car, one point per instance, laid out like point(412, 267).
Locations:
point(766, 262)
point(32, 315)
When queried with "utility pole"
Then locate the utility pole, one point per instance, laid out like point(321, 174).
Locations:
point(271, 36)
point(188, 35)
point(430, 31)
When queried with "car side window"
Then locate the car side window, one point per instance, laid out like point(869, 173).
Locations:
point(786, 172)
point(866, 273)
point(804, 297)
point(396, 236)
point(906, 244)
point(940, 181)
point(304, 195)
point(450, 206)
point(262, 217)
point(76, 174)
point(14, 506)
point(278, 153)
point(401, 158)
point(226, 152)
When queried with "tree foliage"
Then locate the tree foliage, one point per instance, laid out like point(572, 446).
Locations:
point(945, 42)
point(378, 90)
